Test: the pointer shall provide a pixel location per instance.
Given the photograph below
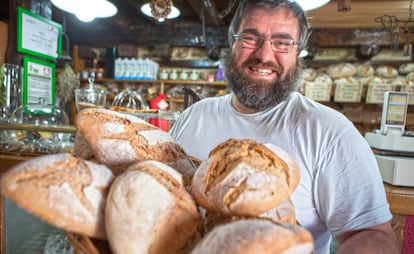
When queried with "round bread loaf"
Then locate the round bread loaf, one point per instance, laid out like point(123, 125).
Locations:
point(62, 190)
point(309, 74)
point(243, 177)
point(386, 71)
point(118, 140)
point(149, 211)
point(82, 148)
point(284, 212)
point(256, 236)
point(406, 68)
point(341, 70)
point(364, 70)
point(323, 78)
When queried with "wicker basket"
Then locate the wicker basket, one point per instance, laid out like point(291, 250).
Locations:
point(86, 245)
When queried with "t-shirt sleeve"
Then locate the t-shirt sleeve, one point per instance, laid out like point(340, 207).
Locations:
point(349, 192)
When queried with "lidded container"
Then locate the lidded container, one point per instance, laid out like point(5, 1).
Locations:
point(130, 100)
point(40, 140)
point(90, 97)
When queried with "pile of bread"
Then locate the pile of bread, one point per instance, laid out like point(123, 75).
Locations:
point(130, 184)
point(365, 74)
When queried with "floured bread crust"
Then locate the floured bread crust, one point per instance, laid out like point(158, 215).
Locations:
point(243, 177)
point(149, 211)
point(118, 140)
point(284, 212)
point(62, 190)
point(256, 236)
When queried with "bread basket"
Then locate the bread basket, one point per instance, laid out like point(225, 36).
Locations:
point(85, 245)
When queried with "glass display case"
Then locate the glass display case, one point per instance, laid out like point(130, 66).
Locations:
point(22, 232)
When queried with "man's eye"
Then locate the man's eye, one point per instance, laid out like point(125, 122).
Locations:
point(250, 39)
point(282, 42)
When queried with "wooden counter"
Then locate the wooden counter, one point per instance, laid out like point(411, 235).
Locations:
point(401, 199)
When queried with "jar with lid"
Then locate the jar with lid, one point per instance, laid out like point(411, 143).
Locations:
point(173, 75)
point(33, 141)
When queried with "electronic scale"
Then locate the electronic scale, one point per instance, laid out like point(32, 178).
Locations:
point(392, 145)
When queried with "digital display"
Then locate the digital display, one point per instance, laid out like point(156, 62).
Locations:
point(396, 109)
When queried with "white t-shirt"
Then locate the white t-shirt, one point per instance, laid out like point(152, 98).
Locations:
point(340, 188)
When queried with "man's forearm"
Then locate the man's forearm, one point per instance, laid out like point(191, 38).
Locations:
point(373, 240)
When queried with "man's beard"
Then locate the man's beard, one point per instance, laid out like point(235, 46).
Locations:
point(260, 95)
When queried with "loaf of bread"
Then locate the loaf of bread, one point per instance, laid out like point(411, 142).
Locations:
point(256, 236)
point(82, 148)
point(406, 68)
point(62, 190)
point(323, 78)
point(309, 74)
point(284, 212)
point(364, 70)
point(118, 140)
point(341, 70)
point(149, 211)
point(386, 71)
point(244, 177)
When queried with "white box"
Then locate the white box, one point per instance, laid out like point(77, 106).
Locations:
point(396, 170)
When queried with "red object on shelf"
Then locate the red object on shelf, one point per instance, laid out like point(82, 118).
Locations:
point(159, 103)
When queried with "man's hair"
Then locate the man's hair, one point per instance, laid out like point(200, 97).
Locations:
point(248, 5)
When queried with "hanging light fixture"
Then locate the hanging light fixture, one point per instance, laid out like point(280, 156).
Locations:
point(310, 5)
point(160, 10)
point(87, 10)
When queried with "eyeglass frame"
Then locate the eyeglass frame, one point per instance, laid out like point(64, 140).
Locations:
point(261, 41)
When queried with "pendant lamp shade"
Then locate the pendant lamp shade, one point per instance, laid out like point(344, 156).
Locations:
point(87, 10)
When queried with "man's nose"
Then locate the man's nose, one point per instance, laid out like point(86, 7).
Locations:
point(265, 52)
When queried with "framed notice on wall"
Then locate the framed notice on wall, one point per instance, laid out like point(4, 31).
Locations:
point(38, 85)
point(37, 35)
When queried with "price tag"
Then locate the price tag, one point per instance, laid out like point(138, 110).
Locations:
point(375, 93)
point(318, 91)
point(410, 90)
point(348, 92)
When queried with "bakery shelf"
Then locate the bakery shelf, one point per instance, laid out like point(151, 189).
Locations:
point(159, 81)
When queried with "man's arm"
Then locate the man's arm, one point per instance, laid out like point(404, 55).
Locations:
point(377, 239)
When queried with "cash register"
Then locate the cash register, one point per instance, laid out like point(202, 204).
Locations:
point(393, 146)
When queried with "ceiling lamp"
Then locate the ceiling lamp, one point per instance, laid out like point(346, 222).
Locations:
point(87, 10)
point(310, 5)
point(160, 10)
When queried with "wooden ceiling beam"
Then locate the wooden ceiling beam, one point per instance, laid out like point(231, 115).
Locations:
point(209, 12)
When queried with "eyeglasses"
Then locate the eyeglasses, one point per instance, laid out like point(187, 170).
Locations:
point(252, 41)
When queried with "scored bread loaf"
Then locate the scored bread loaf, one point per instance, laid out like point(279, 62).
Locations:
point(62, 190)
point(244, 177)
point(284, 212)
point(386, 71)
point(341, 70)
point(256, 236)
point(149, 211)
point(118, 140)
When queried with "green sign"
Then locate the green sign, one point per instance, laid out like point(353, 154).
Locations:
point(38, 36)
point(38, 86)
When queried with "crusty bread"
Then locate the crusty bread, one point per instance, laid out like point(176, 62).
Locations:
point(341, 70)
point(149, 211)
point(82, 148)
point(386, 71)
point(347, 81)
point(364, 70)
point(284, 212)
point(406, 68)
point(62, 190)
point(118, 140)
point(256, 236)
point(309, 74)
point(244, 177)
point(323, 78)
